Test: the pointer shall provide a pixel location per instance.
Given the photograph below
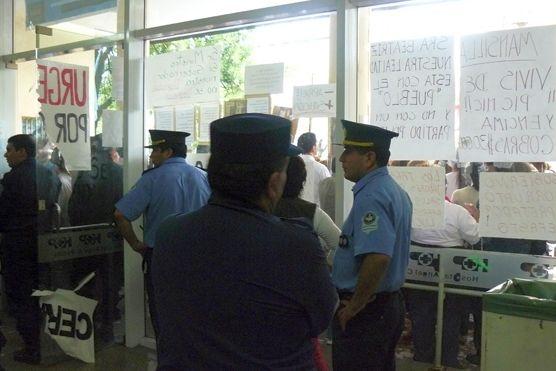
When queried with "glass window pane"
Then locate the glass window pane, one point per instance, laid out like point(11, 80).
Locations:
point(157, 13)
point(92, 19)
point(75, 233)
point(301, 47)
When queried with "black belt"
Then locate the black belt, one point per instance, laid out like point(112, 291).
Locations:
point(435, 246)
point(384, 295)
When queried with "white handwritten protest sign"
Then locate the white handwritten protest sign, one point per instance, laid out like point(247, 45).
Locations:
point(314, 101)
point(190, 76)
point(258, 105)
point(209, 113)
point(64, 97)
point(508, 95)
point(264, 79)
point(425, 186)
point(413, 94)
point(518, 205)
point(112, 128)
point(164, 118)
point(185, 121)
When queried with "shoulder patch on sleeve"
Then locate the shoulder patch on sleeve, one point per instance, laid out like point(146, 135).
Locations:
point(369, 222)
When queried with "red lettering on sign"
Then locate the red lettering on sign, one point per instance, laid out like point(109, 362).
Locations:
point(63, 87)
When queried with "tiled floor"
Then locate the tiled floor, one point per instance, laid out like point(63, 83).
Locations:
point(119, 358)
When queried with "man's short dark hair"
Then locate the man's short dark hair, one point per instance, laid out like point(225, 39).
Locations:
point(247, 182)
point(178, 149)
point(25, 141)
point(307, 141)
point(297, 174)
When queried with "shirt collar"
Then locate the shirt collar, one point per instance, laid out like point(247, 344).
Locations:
point(174, 160)
point(308, 156)
point(373, 174)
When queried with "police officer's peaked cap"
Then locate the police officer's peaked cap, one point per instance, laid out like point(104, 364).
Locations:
point(251, 138)
point(361, 135)
point(166, 137)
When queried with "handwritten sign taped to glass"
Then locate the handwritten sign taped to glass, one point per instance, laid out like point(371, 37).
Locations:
point(425, 186)
point(508, 95)
point(190, 76)
point(518, 205)
point(64, 97)
point(413, 94)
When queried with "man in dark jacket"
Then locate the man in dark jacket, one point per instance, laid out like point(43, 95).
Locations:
point(29, 192)
point(238, 288)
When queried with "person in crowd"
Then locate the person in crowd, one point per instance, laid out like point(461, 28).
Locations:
point(470, 193)
point(292, 206)
point(237, 287)
point(172, 186)
point(96, 191)
point(459, 226)
point(316, 172)
point(66, 186)
point(327, 193)
point(371, 261)
point(27, 202)
point(92, 200)
point(454, 178)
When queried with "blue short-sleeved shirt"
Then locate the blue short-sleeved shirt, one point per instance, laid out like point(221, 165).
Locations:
point(171, 188)
point(379, 222)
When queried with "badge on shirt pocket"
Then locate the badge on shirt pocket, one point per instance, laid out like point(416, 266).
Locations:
point(369, 222)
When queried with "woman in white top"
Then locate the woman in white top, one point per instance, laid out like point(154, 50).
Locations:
point(292, 206)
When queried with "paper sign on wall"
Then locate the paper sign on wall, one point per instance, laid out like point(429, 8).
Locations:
point(425, 186)
point(164, 118)
point(258, 105)
point(189, 76)
point(413, 94)
point(209, 113)
point(185, 121)
point(112, 128)
point(314, 101)
point(64, 97)
point(264, 79)
point(518, 205)
point(508, 95)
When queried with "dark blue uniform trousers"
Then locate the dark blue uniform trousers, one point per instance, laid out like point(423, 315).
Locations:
point(369, 341)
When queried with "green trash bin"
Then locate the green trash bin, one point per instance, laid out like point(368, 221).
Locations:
point(519, 326)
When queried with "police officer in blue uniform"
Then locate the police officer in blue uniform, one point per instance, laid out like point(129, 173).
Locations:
point(238, 288)
point(171, 187)
point(370, 263)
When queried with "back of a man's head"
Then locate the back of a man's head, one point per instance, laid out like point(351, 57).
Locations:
point(26, 142)
point(246, 150)
point(307, 141)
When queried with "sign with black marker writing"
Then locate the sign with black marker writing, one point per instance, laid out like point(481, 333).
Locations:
point(518, 205)
point(64, 97)
point(508, 95)
point(190, 76)
point(413, 94)
point(425, 186)
point(314, 101)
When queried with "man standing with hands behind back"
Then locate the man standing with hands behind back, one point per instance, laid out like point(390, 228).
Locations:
point(172, 186)
point(371, 261)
